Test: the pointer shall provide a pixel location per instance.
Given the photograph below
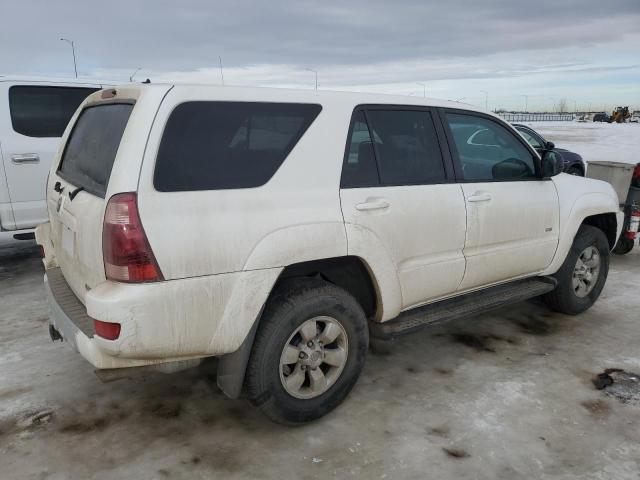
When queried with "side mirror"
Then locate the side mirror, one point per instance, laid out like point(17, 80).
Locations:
point(550, 146)
point(552, 164)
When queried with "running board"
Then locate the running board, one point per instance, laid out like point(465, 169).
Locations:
point(467, 305)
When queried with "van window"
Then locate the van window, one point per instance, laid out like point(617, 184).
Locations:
point(224, 145)
point(92, 146)
point(38, 111)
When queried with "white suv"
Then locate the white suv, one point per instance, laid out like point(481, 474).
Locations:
point(279, 229)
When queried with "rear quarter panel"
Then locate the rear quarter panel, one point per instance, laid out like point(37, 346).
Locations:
point(294, 217)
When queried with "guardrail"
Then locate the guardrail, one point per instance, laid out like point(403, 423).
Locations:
point(537, 117)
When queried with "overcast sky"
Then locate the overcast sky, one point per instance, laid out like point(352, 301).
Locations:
point(587, 51)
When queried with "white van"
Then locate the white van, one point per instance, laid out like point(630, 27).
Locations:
point(33, 116)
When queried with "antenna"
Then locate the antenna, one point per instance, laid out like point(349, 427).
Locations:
point(220, 63)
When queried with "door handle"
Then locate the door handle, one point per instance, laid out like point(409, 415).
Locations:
point(479, 197)
point(372, 205)
point(25, 158)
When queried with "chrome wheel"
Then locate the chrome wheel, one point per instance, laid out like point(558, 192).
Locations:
point(313, 358)
point(586, 271)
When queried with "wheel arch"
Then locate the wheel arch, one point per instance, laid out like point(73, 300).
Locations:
point(348, 272)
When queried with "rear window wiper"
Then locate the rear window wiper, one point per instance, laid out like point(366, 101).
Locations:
point(73, 194)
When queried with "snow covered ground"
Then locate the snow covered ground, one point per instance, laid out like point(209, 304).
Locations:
point(619, 142)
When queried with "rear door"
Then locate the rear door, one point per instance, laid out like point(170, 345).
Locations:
point(512, 213)
point(37, 115)
point(397, 184)
point(78, 192)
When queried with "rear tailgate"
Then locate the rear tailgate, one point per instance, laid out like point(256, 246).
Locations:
point(100, 155)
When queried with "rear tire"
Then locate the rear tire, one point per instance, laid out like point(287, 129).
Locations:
point(583, 273)
point(297, 317)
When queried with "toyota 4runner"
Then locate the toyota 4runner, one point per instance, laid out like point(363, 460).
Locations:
point(279, 230)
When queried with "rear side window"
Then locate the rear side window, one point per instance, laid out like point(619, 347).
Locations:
point(92, 146)
point(44, 111)
point(224, 145)
point(401, 144)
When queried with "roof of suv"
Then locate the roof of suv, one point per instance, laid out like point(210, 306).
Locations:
point(305, 95)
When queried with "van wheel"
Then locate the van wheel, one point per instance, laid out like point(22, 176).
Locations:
point(308, 352)
point(583, 273)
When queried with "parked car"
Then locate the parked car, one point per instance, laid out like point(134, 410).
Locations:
point(601, 117)
point(572, 162)
point(279, 229)
point(635, 118)
point(33, 116)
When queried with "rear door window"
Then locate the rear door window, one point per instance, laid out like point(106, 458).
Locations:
point(92, 146)
point(392, 147)
point(226, 145)
point(39, 111)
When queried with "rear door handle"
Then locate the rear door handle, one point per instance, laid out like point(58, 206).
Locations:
point(479, 197)
point(372, 205)
point(25, 158)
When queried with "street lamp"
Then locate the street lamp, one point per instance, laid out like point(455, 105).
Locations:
point(526, 102)
point(424, 89)
point(555, 107)
point(316, 74)
point(73, 50)
point(486, 99)
point(134, 74)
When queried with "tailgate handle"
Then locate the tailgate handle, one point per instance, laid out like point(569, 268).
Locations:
point(25, 158)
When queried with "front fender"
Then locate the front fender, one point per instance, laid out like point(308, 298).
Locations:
point(572, 217)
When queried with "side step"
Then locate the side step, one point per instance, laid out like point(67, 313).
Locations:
point(467, 305)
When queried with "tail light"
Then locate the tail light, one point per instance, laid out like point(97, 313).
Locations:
point(107, 330)
point(635, 180)
point(125, 248)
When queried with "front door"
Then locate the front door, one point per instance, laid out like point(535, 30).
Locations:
point(512, 213)
point(395, 187)
point(36, 118)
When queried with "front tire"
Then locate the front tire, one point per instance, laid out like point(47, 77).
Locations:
point(583, 273)
point(308, 352)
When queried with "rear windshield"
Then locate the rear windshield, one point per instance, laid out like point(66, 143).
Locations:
point(223, 145)
point(92, 146)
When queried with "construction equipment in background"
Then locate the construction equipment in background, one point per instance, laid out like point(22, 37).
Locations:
point(620, 115)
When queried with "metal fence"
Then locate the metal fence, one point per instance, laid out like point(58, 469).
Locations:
point(537, 117)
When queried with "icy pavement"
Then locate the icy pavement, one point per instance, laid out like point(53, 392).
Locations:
point(595, 141)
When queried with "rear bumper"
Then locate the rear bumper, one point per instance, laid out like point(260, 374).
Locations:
point(161, 322)
point(69, 318)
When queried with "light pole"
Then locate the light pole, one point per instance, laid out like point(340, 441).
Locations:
point(486, 99)
point(316, 74)
point(526, 103)
point(555, 107)
point(134, 74)
point(221, 74)
point(424, 89)
point(73, 50)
